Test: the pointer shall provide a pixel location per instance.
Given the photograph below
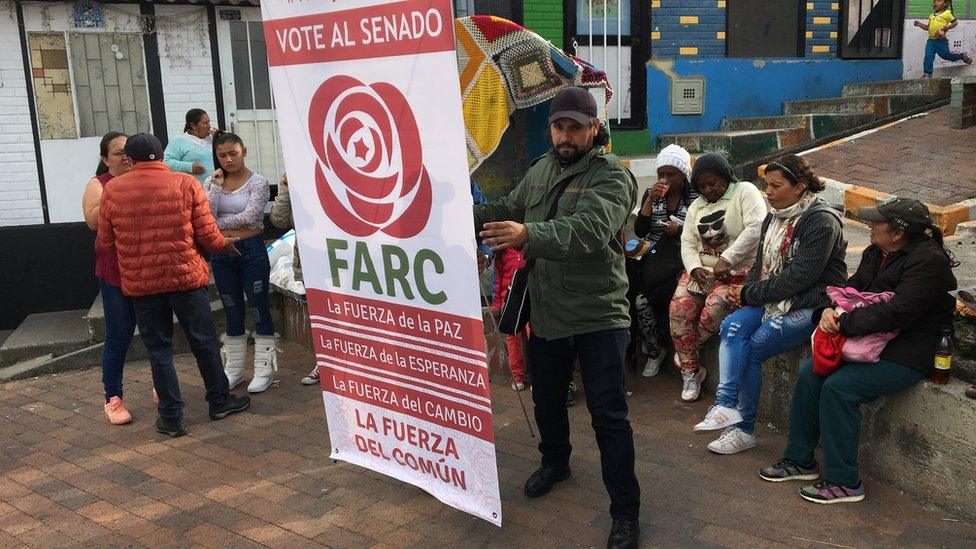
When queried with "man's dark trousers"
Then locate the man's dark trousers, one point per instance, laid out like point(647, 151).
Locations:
point(601, 359)
point(155, 316)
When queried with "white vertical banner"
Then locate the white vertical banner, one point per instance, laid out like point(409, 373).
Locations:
point(369, 110)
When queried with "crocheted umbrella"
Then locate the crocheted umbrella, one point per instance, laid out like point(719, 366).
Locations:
point(504, 67)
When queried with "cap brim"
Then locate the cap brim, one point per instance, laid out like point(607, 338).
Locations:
point(577, 116)
point(871, 214)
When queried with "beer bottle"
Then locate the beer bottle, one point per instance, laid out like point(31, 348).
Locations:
point(943, 358)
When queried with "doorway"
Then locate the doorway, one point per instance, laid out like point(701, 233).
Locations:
point(608, 34)
point(248, 99)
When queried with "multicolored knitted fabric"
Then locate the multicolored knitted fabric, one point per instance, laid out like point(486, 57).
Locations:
point(504, 67)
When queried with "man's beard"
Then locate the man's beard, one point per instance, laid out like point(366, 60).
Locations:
point(569, 155)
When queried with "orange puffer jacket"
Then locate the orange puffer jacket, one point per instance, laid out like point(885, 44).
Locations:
point(155, 220)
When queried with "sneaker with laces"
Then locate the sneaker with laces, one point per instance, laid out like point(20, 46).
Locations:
point(231, 405)
point(718, 418)
point(653, 365)
point(116, 412)
point(312, 378)
point(691, 384)
point(827, 492)
point(732, 441)
point(787, 469)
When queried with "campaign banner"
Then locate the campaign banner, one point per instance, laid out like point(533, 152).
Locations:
point(369, 110)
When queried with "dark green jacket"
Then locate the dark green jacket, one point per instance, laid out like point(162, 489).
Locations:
point(579, 282)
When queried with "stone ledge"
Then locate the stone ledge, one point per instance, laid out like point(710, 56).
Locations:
point(922, 441)
point(946, 218)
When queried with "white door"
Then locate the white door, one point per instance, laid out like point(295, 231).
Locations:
point(248, 99)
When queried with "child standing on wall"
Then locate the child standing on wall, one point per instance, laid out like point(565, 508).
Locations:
point(506, 263)
point(940, 21)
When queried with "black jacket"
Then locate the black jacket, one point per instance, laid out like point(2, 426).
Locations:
point(920, 275)
point(814, 261)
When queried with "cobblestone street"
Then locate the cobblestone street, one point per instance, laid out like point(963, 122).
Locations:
point(68, 478)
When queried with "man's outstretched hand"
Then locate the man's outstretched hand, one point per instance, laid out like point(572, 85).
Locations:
point(501, 235)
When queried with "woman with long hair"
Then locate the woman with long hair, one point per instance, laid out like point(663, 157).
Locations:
point(238, 197)
point(120, 317)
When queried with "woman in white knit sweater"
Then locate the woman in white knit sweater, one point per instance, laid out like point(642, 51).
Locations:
point(718, 245)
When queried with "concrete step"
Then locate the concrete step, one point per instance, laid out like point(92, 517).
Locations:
point(878, 106)
point(738, 145)
point(95, 317)
point(817, 125)
point(46, 333)
point(917, 86)
point(90, 354)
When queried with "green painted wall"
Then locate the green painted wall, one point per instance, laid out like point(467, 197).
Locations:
point(545, 17)
point(962, 9)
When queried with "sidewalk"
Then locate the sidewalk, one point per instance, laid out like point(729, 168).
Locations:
point(919, 158)
point(263, 477)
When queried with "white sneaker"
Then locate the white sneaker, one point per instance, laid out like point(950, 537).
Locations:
point(733, 440)
point(719, 417)
point(692, 385)
point(653, 365)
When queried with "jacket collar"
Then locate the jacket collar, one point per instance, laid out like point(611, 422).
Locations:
point(153, 165)
point(578, 167)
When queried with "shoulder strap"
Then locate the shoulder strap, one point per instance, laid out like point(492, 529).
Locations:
point(559, 193)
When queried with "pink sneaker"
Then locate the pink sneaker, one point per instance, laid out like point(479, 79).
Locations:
point(967, 59)
point(116, 413)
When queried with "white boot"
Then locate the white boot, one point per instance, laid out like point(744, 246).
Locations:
point(265, 363)
point(232, 354)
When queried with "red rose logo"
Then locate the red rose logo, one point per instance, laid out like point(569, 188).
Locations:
point(369, 173)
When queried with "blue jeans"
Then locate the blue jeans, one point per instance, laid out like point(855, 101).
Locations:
point(938, 47)
point(246, 274)
point(746, 342)
point(155, 316)
point(601, 360)
point(120, 326)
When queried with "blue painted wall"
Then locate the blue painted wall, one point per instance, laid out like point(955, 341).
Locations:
point(754, 87)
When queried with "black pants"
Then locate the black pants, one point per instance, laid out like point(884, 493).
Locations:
point(155, 316)
point(601, 358)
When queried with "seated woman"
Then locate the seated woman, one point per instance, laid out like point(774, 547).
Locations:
point(659, 221)
point(907, 257)
point(718, 244)
point(801, 252)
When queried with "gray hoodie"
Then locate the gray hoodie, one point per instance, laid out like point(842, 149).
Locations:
point(815, 260)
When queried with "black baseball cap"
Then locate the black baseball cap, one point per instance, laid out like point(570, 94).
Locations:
point(573, 102)
point(143, 147)
point(907, 213)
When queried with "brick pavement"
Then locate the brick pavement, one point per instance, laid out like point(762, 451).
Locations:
point(67, 478)
point(921, 158)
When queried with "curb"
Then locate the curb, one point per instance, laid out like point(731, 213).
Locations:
point(948, 218)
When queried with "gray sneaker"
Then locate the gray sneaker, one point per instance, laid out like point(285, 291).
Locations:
point(787, 469)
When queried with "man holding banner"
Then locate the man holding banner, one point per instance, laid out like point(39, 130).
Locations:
point(577, 291)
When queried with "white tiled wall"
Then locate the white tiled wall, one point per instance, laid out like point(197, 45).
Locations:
point(20, 195)
point(185, 64)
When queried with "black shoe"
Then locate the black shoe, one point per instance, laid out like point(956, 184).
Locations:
point(543, 480)
point(170, 427)
point(623, 534)
point(571, 394)
point(231, 405)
